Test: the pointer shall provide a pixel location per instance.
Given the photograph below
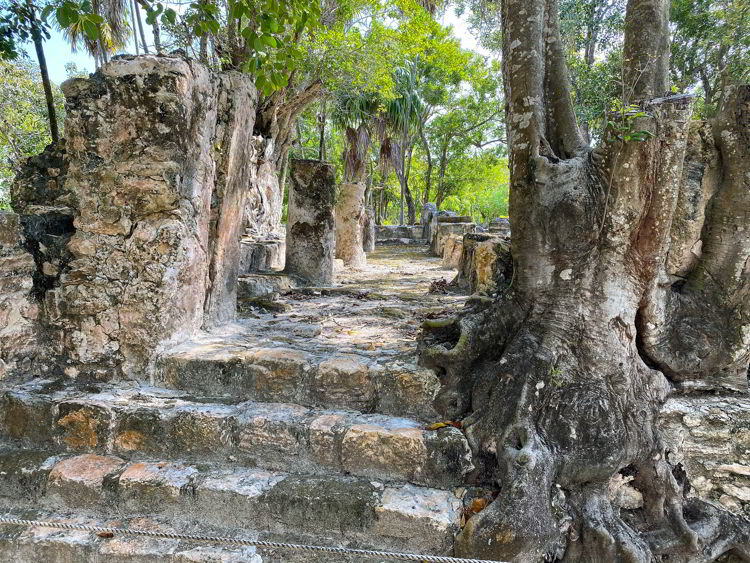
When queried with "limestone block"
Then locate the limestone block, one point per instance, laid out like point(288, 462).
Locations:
point(262, 253)
point(428, 211)
point(368, 230)
point(452, 250)
point(234, 126)
point(445, 230)
point(82, 477)
point(83, 426)
point(154, 485)
point(41, 181)
point(500, 226)
point(399, 452)
point(349, 212)
point(157, 210)
point(346, 380)
point(10, 231)
point(272, 430)
point(310, 225)
point(278, 372)
point(389, 232)
point(326, 433)
point(20, 330)
point(408, 512)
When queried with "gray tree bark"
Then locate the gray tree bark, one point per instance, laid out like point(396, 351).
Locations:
point(559, 382)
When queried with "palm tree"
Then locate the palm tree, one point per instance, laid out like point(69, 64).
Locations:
point(113, 32)
point(356, 115)
point(403, 116)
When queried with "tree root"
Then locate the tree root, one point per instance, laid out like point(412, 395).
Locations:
point(550, 423)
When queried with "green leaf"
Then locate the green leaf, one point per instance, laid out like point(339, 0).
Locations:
point(90, 29)
point(65, 16)
point(237, 10)
point(170, 15)
point(268, 40)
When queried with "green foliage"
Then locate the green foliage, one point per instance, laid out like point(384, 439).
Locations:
point(17, 22)
point(23, 112)
point(477, 185)
point(710, 46)
point(596, 88)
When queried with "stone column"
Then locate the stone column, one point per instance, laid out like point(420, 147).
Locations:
point(310, 223)
point(350, 209)
point(368, 230)
point(428, 210)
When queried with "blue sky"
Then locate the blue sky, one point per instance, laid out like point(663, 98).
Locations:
point(58, 52)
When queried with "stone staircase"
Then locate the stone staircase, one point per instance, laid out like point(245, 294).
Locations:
point(306, 423)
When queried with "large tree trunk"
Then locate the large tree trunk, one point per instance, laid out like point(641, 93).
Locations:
point(558, 383)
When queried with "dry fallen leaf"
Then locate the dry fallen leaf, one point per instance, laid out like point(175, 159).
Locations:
point(439, 425)
point(478, 504)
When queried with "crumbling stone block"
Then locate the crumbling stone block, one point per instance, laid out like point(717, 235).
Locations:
point(150, 189)
point(368, 230)
point(486, 265)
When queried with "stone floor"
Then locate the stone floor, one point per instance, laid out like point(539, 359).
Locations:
point(306, 421)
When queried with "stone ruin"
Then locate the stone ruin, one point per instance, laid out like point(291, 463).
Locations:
point(140, 212)
point(130, 390)
point(131, 394)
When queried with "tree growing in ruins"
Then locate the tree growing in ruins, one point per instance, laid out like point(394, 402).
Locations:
point(630, 283)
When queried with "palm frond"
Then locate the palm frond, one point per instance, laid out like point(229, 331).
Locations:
point(356, 152)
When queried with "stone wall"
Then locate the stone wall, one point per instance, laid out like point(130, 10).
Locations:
point(707, 438)
point(395, 234)
point(19, 313)
point(158, 176)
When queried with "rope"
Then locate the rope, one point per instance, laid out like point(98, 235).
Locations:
point(244, 542)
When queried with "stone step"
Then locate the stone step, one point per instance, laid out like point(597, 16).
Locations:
point(401, 241)
point(21, 544)
point(34, 545)
point(286, 365)
point(137, 423)
point(332, 509)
